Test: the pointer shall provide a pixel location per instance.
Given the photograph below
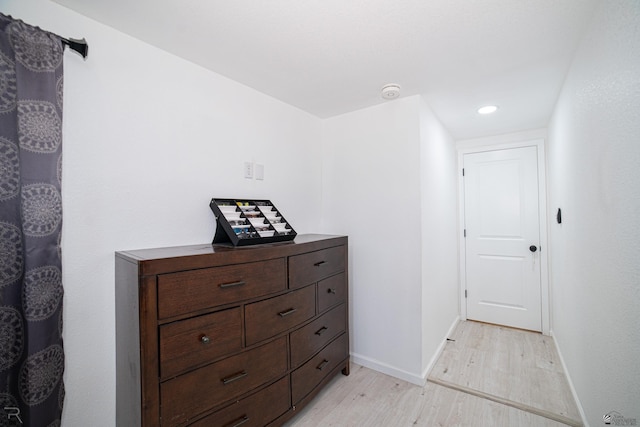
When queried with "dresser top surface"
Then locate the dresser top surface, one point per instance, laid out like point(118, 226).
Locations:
point(159, 260)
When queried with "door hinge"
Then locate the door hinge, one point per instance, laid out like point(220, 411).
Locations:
point(464, 233)
point(465, 293)
point(462, 171)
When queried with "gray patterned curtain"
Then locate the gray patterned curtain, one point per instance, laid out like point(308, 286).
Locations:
point(31, 354)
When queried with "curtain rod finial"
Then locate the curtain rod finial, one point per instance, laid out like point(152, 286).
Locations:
point(79, 46)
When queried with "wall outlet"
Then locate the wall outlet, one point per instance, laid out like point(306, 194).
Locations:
point(248, 170)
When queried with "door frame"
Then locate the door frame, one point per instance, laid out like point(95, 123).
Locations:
point(483, 146)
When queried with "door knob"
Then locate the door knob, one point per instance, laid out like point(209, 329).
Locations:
point(533, 248)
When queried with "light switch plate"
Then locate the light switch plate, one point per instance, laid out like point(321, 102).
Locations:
point(248, 170)
point(259, 171)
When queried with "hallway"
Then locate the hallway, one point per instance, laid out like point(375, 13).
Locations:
point(487, 375)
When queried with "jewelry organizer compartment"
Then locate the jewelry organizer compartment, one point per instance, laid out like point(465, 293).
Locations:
point(249, 222)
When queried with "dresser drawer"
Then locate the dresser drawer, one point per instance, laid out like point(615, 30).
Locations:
point(188, 395)
point(312, 337)
point(305, 378)
point(254, 411)
point(313, 266)
point(331, 291)
point(195, 341)
point(267, 318)
point(190, 291)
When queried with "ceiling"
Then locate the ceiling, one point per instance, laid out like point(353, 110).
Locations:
point(329, 57)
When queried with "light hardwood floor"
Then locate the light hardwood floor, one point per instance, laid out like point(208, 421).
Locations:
point(487, 375)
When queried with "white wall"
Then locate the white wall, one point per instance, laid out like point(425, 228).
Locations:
point(593, 162)
point(148, 140)
point(371, 191)
point(382, 167)
point(439, 193)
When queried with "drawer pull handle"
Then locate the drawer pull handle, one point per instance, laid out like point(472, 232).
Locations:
point(331, 291)
point(234, 377)
point(318, 264)
point(322, 365)
point(321, 330)
point(243, 419)
point(232, 284)
point(287, 312)
point(205, 339)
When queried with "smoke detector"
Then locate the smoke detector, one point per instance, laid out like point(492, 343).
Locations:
point(391, 91)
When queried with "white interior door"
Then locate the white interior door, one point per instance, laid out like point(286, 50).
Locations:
point(502, 226)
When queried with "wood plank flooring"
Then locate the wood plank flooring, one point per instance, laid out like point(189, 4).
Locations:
point(486, 376)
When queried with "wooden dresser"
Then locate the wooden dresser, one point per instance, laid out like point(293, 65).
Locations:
point(212, 335)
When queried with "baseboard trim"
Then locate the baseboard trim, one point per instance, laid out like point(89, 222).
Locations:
point(419, 380)
point(440, 349)
point(387, 369)
point(571, 387)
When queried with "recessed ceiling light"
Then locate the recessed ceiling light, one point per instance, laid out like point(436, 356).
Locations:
point(488, 109)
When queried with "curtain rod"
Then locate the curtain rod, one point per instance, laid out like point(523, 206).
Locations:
point(79, 46)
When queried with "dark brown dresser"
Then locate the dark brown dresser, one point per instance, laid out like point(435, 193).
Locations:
point(214, 335)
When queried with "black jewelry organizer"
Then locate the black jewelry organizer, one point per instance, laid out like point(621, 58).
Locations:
point(249, 222)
